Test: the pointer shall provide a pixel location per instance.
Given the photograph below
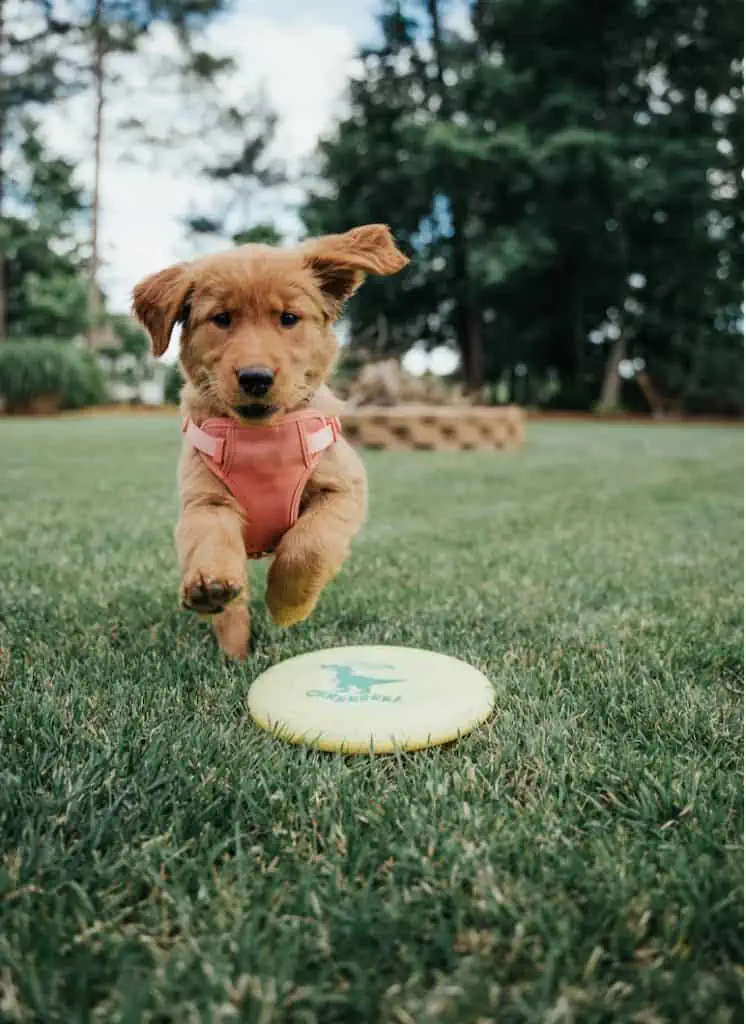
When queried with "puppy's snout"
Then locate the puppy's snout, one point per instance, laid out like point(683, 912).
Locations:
point(255, 381)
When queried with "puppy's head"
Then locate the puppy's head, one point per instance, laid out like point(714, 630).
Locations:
point(257, 323)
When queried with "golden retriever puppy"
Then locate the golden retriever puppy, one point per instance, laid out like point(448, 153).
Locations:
point(264, 469)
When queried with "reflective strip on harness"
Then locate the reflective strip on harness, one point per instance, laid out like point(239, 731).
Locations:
point(212, 446)
point(321, 439)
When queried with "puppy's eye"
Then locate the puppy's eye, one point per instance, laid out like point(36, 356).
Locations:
point(289, 319)
point(222, 319)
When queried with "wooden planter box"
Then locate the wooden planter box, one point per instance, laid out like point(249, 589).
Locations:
point(435, 428)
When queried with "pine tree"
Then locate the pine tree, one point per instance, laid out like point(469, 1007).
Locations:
point(118, 27)
point(50, 50)
point(242, 173)
point(44, 294)
point(31, 76)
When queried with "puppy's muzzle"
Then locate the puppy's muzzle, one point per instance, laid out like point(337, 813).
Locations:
point(255, 381)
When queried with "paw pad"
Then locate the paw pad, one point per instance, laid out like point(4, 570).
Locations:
point(209, 596)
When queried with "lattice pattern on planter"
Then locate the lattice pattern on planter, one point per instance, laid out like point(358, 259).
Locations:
point(435, 428)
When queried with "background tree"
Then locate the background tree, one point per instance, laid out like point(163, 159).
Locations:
point(44, 289)
point(629, 193)
point(31, 76)
point(117, 28)
point(381, 165)
point(242, 173)
point(51, 52)
point(562, 172)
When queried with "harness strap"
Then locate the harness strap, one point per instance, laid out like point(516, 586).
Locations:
point(324, 438)
point(212, 446)
point(318, 441)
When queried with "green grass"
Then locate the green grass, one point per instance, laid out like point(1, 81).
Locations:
point(577, 859)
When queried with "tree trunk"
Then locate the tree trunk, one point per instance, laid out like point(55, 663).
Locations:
point(579, 333)
point(611, 388)
point(3, 240)
point(94, 295)
point(3, 262)
point(467, 319)
point(470, 347)
point(653, 397)
point(476, 347)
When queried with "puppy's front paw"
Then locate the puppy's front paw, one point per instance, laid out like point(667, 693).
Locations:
point(207, 595)
point(286, 615)
point(233, 628)
point(294, 586)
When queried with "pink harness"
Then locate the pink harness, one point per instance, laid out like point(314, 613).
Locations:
point(265, 468)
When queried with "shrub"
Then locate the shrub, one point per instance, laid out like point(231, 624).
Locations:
point(46, 376)
point(172, 385)
point(87, 384)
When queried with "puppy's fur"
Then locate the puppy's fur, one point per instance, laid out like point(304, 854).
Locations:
point(230, 306)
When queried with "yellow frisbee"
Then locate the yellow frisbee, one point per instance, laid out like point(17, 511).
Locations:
point(371, 699)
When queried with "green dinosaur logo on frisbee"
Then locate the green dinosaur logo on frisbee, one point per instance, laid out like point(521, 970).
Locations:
point(353, 686)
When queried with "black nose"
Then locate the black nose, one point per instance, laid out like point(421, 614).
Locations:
point(255, 381)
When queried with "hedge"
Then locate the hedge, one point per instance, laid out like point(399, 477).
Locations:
point(172, 385)
point(45, 376)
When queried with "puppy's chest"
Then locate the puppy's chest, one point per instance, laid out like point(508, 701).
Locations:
point(268, 470)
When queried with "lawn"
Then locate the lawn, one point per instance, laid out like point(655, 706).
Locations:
point(576, 859)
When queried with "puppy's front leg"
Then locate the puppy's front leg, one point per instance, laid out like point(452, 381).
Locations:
point(314, 550)
point(211, 555)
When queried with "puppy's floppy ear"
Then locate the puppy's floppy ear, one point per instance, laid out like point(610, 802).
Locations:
point(340, 262)
point(159, 301)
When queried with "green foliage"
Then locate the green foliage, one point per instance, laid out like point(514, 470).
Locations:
point(34, 38)
point(552, 202)
point(172, 385)
point(35, 35)
point(131, 337)
point(241, 172)
point(61, 373)
point(87, 386)
point(260, 234)
point(48, 300)
point(44, 263)
point(579, 857)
